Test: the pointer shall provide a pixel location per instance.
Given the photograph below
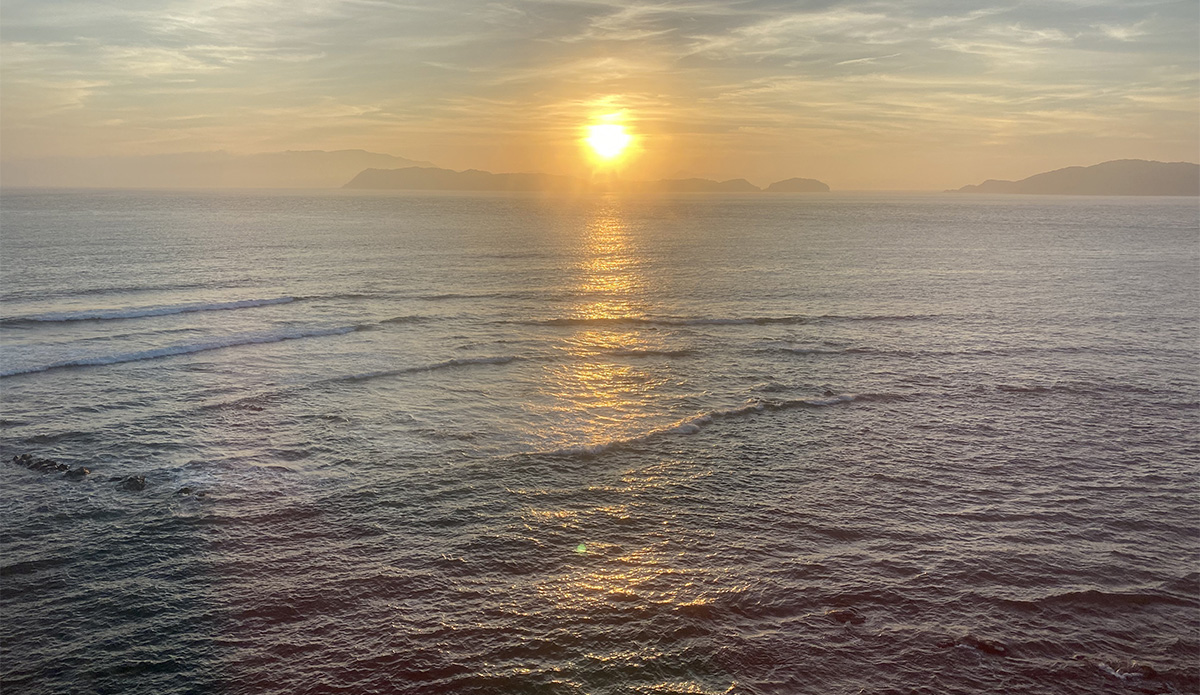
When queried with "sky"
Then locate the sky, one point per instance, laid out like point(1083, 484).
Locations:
point(902, 95)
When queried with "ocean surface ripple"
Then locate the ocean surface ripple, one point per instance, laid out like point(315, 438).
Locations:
point(366, 443)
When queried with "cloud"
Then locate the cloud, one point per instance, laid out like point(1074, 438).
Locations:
point(705, 74)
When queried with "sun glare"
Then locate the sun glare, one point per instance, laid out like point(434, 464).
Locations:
point(608, 140)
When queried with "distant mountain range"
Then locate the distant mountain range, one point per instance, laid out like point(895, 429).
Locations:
point(435, 179)
point(1118, 177)
point(291, 169)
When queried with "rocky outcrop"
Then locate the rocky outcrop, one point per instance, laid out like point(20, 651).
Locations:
point(39, 464)
point(132, 483)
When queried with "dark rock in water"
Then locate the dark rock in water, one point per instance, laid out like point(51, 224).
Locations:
point(184, 491)
point(845, 615)
point(76, 473)
point(133, 483)
point(48, 466)
point(40, 465)
point(984, 645)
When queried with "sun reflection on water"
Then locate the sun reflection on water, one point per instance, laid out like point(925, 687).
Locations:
point(617, 381)
point(611, 281)
point(612, 382)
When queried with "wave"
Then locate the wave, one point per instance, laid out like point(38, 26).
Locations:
point(447, 296)
point(173, 350)
point(816, 351)
point(404, 319)
point(878, 317)
point(1109, 600)
point(1098, 600)
point(695, 424)
point(719, 321)
point(666, 321)
point(42, 293)
point(649, 352)
point(258, 401)
point(970, 352)
point(342, 295)
point(142, 311)
point(810, 350)
point(1080, 388)
point(458, 362)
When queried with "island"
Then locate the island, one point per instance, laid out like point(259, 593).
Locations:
point(1118, 177)
point(704, 186)
point(798, 186)
point(437, 179)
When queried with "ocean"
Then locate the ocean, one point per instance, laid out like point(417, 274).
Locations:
point(364, 442)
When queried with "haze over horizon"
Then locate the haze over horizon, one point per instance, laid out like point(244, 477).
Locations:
point(911, 95)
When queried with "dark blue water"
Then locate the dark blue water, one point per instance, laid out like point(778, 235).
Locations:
point(505, 444)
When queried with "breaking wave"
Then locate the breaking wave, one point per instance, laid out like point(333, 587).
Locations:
point(172, 350)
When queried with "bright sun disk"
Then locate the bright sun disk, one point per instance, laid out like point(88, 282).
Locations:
point(608, 140)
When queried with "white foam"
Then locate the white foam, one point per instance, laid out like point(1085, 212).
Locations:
point(189, 348)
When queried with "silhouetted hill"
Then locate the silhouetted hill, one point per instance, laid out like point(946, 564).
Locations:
point(1118, 177)
point(435, 179)
point(291, 169)
point(798, 186)
point(704, 186)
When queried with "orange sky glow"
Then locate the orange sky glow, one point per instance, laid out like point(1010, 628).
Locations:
point(920, 94)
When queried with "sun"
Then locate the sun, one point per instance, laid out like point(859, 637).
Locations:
point(608, 140)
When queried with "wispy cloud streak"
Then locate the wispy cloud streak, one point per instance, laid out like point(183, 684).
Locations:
point(755, 88)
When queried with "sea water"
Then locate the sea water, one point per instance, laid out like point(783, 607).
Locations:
point(445, 443)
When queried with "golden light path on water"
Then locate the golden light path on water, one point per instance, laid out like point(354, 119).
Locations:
point(598, 396)
point(607, 399)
